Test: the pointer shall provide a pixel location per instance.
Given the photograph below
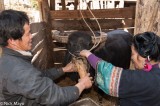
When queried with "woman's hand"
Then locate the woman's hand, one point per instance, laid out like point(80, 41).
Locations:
point(85, 53)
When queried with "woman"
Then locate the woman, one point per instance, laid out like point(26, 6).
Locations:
point(133, 88)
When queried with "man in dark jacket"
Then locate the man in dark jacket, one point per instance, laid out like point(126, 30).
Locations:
point(20, 82)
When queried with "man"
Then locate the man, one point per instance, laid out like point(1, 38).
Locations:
point(20, 82)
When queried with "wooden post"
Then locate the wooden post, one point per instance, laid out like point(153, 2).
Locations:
point(63, 4)
point(75, 4)
point(40, 9)
point(45, 10)
point(52, 4)
point(147, 16)
point(1, 4)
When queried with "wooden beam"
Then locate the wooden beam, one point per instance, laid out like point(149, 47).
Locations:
point(80, 25)
point(128, 12)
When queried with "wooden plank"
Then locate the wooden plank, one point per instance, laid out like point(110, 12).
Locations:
point(80, 25)
point(147, 16)
point(128, 12)
point(52, 4)
point(36, 27)
point(42, 41)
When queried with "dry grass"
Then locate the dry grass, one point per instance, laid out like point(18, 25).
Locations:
point(96, 95)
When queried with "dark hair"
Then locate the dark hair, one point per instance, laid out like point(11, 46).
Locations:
point(147, 44)
point(11, 25)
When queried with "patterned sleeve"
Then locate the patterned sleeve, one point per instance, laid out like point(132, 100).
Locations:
point(108, 78)
point(107, 75)
point(121, 83)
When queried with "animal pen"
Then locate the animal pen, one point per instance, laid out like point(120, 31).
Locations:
point(61, 17)
point(59, 20)
point(129, 18)
point(64, 21)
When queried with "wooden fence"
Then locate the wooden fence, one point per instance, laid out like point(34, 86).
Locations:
point(66, 20)
point(109, 19)
point(118, 18)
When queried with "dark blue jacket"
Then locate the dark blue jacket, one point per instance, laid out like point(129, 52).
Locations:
point(23, 84)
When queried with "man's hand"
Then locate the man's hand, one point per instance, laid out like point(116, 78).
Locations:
point(84, 83)
point(70, 67)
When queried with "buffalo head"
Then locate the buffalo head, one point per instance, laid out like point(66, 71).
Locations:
point(78, 41)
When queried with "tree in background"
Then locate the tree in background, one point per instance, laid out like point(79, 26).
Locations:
point(34, 4)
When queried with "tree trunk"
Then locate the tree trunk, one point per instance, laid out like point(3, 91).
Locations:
point(147, 16)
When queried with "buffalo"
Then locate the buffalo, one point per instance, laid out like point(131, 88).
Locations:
point(116, 48)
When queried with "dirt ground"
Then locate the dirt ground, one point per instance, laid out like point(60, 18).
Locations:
point(94, 93)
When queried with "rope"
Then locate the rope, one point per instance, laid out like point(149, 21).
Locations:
point(98, 26)
point(95, 45)
point(72, 54)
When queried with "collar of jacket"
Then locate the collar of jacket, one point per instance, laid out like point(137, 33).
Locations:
point(15, 53)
